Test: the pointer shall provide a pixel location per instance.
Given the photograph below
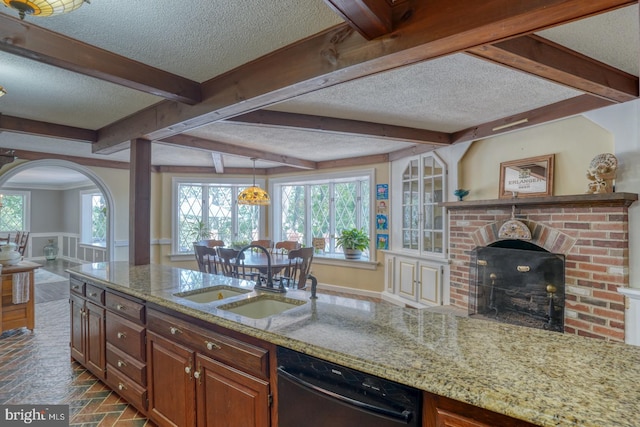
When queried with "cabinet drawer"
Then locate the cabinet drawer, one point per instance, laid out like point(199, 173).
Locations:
point(94, 294)
point(76, 286)
point(126, 335)
point(125, 387)
point(132, 310)
point(127, 365)
point(246, 357)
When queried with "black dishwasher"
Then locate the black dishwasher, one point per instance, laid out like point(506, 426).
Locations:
point(317, 393)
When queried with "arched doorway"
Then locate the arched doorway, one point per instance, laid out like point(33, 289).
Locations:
point(47, 169)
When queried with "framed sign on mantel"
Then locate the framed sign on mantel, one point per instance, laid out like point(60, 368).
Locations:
point(531, 177)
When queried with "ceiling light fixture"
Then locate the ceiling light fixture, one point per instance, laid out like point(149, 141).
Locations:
point(254, 195)
point(43, 7)
point(2, 91)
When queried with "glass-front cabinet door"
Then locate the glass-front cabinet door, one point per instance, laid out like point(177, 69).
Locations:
point(411, 206)
point(423, 187)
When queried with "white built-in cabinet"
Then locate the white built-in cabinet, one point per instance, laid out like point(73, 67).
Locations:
point(415, 261)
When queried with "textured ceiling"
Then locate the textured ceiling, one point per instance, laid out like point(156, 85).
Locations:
point(201, 39)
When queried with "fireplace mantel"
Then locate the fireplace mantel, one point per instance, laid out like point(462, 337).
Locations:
point(593, 200)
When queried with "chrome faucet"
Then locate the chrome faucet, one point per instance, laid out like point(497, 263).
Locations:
point(268, 286)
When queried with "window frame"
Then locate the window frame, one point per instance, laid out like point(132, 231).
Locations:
point(233, 182)
point(275, 190)
point(83, 225)
point(26, 208)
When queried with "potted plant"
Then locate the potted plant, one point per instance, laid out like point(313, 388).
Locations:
point(353, 241)
point(199, 230)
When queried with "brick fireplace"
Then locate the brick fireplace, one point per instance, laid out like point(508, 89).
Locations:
point(591, 231)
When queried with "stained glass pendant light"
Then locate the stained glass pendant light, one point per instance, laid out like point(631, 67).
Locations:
point(254, 195)
point(43, 7)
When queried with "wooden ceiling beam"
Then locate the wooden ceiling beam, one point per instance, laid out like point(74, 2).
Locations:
point(543, 58)
point(84, 161)
point(221, 147)
point(24, 39)
point(34, 127)
point(371, 18)
point(342, 126)
point(577, 105)
point(435, 28)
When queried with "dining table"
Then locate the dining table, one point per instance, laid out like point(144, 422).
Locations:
point(258, 260)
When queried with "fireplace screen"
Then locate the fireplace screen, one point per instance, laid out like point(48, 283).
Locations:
point(517, 286)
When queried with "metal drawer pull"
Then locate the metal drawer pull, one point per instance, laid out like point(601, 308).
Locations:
point(75, 287)
point(121, 386)
point(174, 330)
point(121, 364)
point(93, 294)
point(523, 268)
point(120, 307)
point(212, 345)
point(187, 369)
point(121, 335)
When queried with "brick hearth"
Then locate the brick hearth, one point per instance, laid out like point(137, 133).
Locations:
point(590, 230)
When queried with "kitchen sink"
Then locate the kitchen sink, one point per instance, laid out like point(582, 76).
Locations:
point(261, 306)
point(214, 293)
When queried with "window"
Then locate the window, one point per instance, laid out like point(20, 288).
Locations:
point(321, 207)
point(14, 211)
point(93, 218)
point(210, 211)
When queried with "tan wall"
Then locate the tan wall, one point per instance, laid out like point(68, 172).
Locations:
point(330, 274)
point(575, 142)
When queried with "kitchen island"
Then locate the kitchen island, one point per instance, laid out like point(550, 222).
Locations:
point(545, 378)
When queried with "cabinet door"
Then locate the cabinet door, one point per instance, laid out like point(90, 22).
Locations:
point(77, 328)
point(407, 278)
point(95, 340)
point(229, 397)
point(171, 384)
point(429, 278)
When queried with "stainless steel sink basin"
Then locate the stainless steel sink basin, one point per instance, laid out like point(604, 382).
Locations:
point(262, 306)
point(214, 293)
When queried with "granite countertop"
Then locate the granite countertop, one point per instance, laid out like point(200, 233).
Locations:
point(546, 378)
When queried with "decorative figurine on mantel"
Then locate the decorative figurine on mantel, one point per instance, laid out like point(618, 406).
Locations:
point(602, 174)
point(460, 193)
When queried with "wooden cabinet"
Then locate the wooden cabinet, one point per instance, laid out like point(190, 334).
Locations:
point(17, 315)
point(108, 338)
point(440, 411)
point(88, 327)
point(195, 372)
point(125, 337)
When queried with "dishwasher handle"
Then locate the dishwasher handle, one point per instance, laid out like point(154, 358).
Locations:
point(404, 416)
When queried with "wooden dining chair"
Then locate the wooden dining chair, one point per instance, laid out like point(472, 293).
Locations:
point(206, 258)
point(265, 243)
point(228, 265)
point(296, 274)
point(199, 252)
point(212, 243)
point(286, 246)
point(22, 237)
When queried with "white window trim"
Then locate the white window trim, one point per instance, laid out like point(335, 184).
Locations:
point(81, 242)
point(26, 208)
point(276, 203)
point(176, 181)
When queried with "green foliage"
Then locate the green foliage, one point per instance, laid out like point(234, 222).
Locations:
point(198, 230)
point(353, 239)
